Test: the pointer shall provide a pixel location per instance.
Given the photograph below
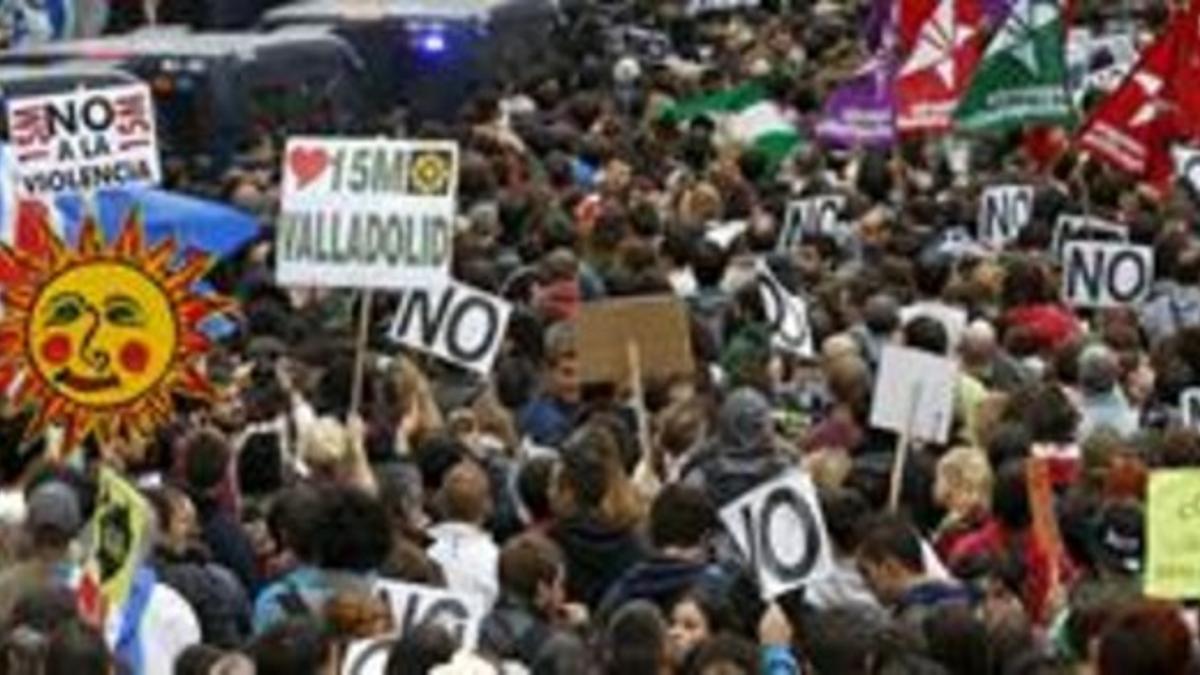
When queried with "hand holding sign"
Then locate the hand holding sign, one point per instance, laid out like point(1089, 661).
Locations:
point(1106, 275)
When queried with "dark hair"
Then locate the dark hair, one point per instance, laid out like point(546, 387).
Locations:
point(420, 650)
point(708, 263)
point(681, 516)
point(290, 520)
point(1010, 496)
point(563, 654)
point(296, 646)
point(635, 639)
point(1010, 440)
point(584, 466)
point(197, 660)
point(842, 639)
point(1150, 638)
point(207, 455)
point(932, 273)
point(352, 529)
point(892, 537)
point(527, 561)
point(958, 640)
point(928, 335)
point(725, 652)
point(716, 606)
point(1050, 416)
point(75, 648)
point(844, 510)
point(533, 487)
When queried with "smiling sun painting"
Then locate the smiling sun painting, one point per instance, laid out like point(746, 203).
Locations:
point(96, 339)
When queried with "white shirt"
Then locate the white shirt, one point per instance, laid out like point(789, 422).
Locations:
point(468, 557)
point(168, 627)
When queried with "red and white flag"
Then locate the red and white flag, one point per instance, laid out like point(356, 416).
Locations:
point(1156, 106)
point(939, 66)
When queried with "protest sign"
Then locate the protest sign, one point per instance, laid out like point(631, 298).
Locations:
point(1084, 228)
point(1187, 168)
point(657, 327)
point(102, 336)
point(366, 213)
point(454, 322)
point(814, 215)
point(1189, 407)
point(914, 394)
point(1098, 274)
point(1172, 538)
point(368, 657)
point(779, 528)
point(1004, 210)
point(786, 314)
point(117, 537)
point(415, 604)
point(85, 140)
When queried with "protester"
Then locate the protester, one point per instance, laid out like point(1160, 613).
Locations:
point(805, 197)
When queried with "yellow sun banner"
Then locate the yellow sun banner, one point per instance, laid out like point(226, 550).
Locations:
point(96, 339)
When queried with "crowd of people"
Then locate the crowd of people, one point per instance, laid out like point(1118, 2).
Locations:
point(593, 543)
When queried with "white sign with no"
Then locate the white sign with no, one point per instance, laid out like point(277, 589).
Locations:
point(1098, 274)
point(779, 528)
point(84, 141)
point(454, 322)
point(1004, 210)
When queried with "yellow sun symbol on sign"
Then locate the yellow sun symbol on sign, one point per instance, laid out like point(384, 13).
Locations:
point(96, 340)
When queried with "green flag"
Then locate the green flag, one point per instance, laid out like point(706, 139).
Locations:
point(744, 115)
point(1022, 78)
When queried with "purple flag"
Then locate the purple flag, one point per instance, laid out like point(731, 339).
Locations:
point(996, 10)
point(861, 112)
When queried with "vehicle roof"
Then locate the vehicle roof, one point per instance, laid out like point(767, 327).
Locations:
point(354, 10)
point(57, 78)
point(172, 41)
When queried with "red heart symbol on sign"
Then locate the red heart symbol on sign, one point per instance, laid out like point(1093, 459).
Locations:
point(307, 164)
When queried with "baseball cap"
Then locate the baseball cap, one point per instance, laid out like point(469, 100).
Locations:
point(54, 506)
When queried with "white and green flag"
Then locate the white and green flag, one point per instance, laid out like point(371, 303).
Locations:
point(1022, 78)
point(745, 115)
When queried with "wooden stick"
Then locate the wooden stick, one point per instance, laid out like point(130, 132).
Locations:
point(902, 445)
point(638, 391)
point(360, 349)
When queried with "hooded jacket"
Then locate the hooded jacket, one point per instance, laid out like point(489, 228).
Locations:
point(743, 454)
point(597, 554)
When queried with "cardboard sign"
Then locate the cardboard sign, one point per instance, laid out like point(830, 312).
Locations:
point(1106, 275)
point(366, 213)
point(1189, 407)
point(779, 528)
point(914, 392)
point(118, 532)
point(85, 141)
point(415, 604)
point(1172, 545)
point(1187, 168)
point(814, 215)
point(658, 326)
point(1004, 210)
point(454, 322)
point(786, 313)
point(1082, 228)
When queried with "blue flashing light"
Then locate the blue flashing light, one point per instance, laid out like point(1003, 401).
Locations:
point(432, 43)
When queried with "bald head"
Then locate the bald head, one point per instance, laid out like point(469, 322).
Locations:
point(978, 345)
point(839, 346)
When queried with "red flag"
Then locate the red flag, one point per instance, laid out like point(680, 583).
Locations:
point(910, 17)
point(932, 79)
point(1155, 106)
